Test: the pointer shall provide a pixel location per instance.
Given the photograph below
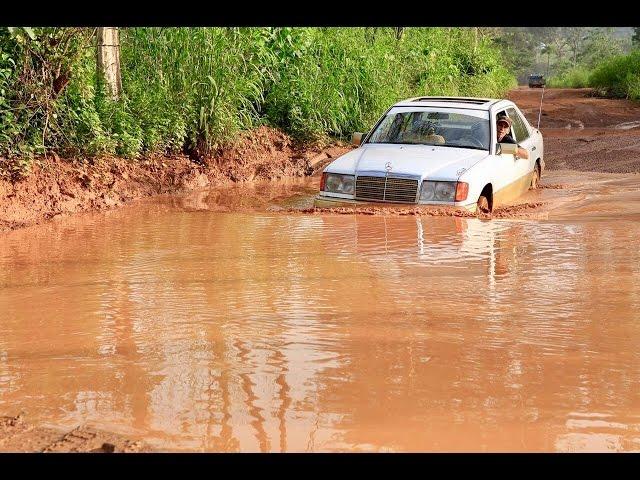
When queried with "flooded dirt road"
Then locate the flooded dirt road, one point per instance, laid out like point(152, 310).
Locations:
point(220, 321)
point(239, 319)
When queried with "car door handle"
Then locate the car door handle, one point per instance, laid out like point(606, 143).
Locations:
point(533, 148)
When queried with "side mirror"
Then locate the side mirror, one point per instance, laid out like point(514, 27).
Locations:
point(357, 138)
point(507, 148)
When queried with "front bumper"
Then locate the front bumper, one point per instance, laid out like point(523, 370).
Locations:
point(321, 201)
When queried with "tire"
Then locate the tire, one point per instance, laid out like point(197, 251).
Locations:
point(483, 205)
point(535, 180)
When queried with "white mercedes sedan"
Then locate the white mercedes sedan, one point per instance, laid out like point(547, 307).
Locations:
point(439, 151)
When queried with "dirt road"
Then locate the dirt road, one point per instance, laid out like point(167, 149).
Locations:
point(582, 132)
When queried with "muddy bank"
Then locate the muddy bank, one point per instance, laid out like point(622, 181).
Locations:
point(581, 132)
point(18, 435)
point(58, 187)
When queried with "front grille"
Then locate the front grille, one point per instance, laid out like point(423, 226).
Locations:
point(402, 190)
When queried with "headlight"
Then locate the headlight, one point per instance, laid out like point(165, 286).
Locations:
point(428, 191)
point(445, 191)
point(438, 191)
point(337, 183)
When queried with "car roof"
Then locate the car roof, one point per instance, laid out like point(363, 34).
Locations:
point(471, 103)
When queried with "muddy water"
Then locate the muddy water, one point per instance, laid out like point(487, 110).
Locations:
point(219, 322)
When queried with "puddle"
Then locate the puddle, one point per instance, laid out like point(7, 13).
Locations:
point(210, 323)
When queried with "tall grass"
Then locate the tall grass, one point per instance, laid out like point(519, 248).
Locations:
point(577, 77)
point(345, 78)
point(194, 89)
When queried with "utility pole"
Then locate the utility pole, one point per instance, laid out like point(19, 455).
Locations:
point(475, 42)
point(108, 54)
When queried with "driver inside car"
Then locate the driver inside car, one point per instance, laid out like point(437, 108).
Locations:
point(503, 134)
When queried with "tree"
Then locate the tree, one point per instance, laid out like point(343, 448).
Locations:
point(599, 45)
point(547, 49)
point(635, 40)
point(574, 37)
point(518, 48)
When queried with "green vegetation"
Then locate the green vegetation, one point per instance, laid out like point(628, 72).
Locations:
point(618, 76)
point(193, 89)
point(562, 54)
point(577, 77)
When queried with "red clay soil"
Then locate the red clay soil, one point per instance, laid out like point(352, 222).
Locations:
point(16, 435)
point(582, 132)
point(58, 187)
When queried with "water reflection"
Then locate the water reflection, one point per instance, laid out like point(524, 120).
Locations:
point(202, 330)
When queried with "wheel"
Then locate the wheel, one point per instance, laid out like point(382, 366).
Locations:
point(535, 180)
point(483, 204)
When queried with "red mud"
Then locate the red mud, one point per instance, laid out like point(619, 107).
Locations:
point(399, 211)
point(58, 187)
point(16, 435)
point(583, 132)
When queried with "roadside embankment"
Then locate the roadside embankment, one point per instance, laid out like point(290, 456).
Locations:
point(58, 187)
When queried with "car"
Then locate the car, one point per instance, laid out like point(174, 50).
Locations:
point(438, 151)
point(536, 81)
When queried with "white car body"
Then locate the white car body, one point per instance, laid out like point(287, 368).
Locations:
point(501, 176)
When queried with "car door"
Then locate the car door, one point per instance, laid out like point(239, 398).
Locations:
point(523, 137)
point(504, 172)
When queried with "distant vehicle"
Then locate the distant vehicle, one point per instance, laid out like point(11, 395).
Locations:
point(439, 151)
point(536, 81)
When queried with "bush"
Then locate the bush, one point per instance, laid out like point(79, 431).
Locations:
point(577, 77)
point(194, 89)
point(619, 76)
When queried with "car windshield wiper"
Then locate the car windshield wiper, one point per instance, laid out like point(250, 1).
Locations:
point(408, 143)
point(466, 146)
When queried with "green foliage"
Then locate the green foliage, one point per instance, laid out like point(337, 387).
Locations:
point(577, 77)
point(619, 76)
point(36, 64)
point(518, 48)
point(194, 89)
point(599, 46)
point(343, 79)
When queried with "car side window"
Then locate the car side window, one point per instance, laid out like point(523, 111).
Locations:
point(520, 129)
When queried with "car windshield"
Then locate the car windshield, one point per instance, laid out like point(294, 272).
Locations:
point(445, 127)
